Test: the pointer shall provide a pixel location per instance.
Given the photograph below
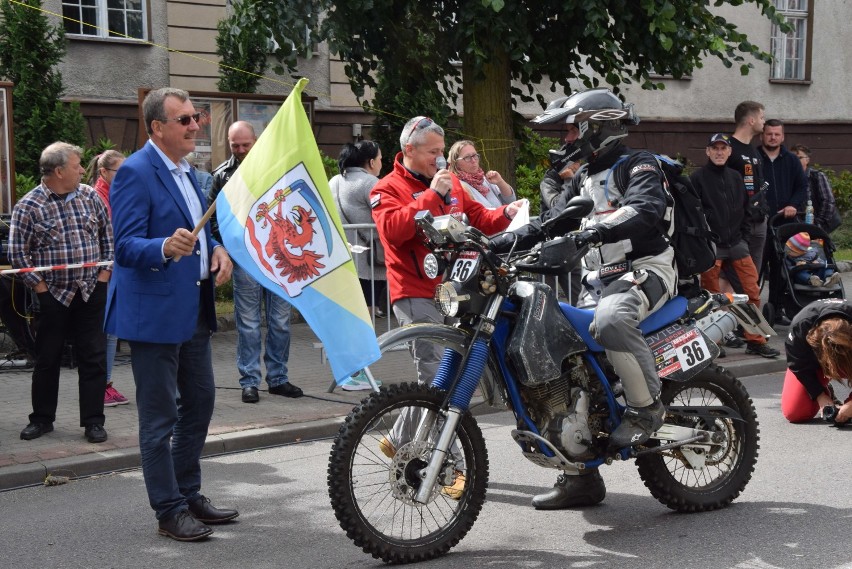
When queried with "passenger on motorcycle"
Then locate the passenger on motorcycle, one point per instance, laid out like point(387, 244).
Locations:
point(630, 263)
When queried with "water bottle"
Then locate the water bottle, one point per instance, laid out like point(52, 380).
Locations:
point(809, 212)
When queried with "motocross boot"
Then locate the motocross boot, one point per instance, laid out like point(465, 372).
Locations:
point(637, 425)
point(573, 491)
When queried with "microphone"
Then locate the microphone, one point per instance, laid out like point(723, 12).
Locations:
point(441, 163)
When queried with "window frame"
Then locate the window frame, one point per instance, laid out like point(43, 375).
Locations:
point(103, 33)
point(806, 44)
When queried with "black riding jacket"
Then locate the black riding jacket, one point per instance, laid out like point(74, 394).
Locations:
point(636, 183)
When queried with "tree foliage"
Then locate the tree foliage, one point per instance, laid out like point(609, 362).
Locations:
point(30, 50)
point(243, 49)
point(513, 45)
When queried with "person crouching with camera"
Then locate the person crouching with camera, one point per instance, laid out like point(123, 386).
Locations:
point(819, 349)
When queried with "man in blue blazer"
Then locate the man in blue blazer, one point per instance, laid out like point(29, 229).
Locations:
point(164, 307)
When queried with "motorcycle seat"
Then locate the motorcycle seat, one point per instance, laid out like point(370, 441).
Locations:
point(581, 319)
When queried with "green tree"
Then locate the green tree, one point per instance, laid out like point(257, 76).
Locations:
point(244, 50)
point(30, 50)
point(526, 41)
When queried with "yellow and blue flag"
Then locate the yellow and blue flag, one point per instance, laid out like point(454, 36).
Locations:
point(278, 222)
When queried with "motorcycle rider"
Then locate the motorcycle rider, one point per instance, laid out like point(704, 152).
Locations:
point(630, 260)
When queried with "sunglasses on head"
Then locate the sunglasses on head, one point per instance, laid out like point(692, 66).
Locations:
point(184, 120)
point(422, 123)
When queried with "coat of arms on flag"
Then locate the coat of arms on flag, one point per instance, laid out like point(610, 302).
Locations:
point(290, 235)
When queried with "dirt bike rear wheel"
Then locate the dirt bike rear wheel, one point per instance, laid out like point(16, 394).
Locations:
point(729, 464)
point(372, 484)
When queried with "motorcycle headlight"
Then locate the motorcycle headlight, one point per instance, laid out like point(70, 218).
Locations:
point(447, 299)
point(431, 266)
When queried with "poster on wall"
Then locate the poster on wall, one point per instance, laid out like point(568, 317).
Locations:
point(258, 113)
point(211, 141)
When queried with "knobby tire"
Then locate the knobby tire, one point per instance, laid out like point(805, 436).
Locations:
point(729, 465)
point(362, 481)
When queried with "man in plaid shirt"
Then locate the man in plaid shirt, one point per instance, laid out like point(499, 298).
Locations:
point(64, 222)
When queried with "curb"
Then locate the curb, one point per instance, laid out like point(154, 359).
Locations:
point(755, 366)
point(96, 464)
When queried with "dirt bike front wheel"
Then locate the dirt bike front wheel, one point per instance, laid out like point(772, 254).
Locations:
point(729, 461)
point(373, 476)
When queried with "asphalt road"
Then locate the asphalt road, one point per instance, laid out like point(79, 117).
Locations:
point(795, 513)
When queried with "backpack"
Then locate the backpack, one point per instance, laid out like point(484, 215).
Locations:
point(686, 226)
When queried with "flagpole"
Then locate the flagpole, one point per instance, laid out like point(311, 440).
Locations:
point(204, 219)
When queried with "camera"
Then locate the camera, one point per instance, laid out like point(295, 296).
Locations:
point(829, 413)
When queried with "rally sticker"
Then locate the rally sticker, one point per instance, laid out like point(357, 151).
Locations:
point(678, 349)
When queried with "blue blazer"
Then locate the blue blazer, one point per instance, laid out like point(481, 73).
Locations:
point(150, 300)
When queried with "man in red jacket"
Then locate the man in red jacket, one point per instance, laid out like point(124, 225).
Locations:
point(417, 184)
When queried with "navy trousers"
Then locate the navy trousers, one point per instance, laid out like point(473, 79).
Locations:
point(175, 393)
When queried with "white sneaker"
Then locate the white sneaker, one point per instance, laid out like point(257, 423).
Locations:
point(833, 279)
point(815, 281)
point(358, 382)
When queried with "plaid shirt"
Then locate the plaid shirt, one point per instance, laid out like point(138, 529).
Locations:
point(819, 192)
point(48, 229)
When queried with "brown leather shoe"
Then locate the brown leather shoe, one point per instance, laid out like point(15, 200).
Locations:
point(183, 527)
point(207, 513)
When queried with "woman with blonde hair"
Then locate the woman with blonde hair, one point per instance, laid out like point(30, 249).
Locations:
point(488, 188)
point(101, 172)
point(819, 349)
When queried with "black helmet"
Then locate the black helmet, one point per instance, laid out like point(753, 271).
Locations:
point(600, 117)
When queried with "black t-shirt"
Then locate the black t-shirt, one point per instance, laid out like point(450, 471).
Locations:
point(746, 160)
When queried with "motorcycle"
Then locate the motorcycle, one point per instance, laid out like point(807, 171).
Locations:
point(408, 469)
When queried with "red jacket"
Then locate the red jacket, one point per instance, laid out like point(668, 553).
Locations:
point(102, 188)
point(395, 200)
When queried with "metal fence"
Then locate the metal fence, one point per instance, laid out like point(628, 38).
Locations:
point(364, 247)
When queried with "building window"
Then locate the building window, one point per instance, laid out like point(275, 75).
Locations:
point(117, 19)
point(791, 51)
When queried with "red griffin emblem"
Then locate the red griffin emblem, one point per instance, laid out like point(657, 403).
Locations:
point(288, 240)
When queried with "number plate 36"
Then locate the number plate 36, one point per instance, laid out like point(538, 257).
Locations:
point(681, 351)
point(465, 266)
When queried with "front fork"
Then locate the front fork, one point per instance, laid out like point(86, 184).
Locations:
point(429, 475)
point(460, 388)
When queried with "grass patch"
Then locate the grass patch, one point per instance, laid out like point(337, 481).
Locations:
point(844, 254)
point(842, 239)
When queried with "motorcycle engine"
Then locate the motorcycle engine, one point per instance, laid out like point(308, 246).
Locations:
point(572, 430)
point(564, 411)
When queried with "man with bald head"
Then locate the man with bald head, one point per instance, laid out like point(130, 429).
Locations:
point(248, 296)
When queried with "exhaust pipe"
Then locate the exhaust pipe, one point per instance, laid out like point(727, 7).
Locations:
point(717, 324)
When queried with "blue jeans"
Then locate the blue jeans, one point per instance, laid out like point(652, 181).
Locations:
point(248, 294)
point(175, 394)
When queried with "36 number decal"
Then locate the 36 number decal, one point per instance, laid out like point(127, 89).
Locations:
point(692, 353)
point(462, 269)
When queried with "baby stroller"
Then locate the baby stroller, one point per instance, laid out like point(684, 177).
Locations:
point(790, 296)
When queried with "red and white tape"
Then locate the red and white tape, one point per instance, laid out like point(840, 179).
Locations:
point(56, 268)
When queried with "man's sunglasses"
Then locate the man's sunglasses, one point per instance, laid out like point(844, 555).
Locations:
point(184, 120)
point(422, 123)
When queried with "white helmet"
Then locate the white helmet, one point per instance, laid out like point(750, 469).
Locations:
point(600, 117)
